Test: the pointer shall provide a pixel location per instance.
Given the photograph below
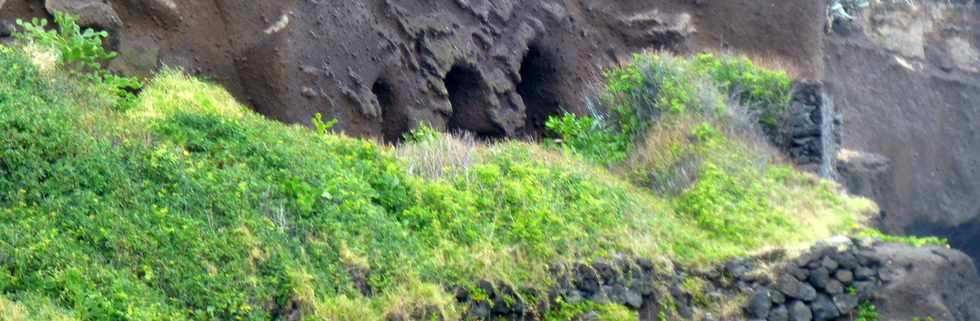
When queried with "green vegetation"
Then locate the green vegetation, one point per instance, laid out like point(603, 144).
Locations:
point(867, 312)
point(185, 205)
point(600, 312)
point(658, 86)
point(77, 51)
point(767, 93)
point(916, 241)
point(673, 131)
point(695, 287)
point(31, 308)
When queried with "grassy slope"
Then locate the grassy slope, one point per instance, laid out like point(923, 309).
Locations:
point(189, 206)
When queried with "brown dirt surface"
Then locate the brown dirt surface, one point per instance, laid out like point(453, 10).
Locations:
point(381, 67)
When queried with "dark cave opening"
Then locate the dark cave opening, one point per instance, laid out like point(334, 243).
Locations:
point(394, 121)
point(468, 96)
point(538, 87)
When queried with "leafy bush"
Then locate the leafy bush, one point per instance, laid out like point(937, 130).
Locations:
point(423, 133)
point(589, 136)
point(320, 126)
point(655, 84)
point(670, 129)
point(765, 92)
point(80, 51)
point(659, 85)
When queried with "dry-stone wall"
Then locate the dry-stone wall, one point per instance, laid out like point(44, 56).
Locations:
point(810, 135)
point(826, 282)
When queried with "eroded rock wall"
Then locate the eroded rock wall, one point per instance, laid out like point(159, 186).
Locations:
point(496, 68)
point(907, 81)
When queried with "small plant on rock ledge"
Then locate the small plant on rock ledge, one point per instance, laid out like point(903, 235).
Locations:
point(867, 312)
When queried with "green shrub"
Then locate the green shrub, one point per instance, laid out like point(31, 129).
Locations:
point(654, 85)
point(423, 133)
point(765, 92)
point(658, 87)
point(670, 129)
point(320, 126)
point(79, 51)
point(589, 137)
point(754, 86)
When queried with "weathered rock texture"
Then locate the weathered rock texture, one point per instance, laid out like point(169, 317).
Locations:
point(381, 67)
point(928, 282)
point(907, 81)
point(496, 68)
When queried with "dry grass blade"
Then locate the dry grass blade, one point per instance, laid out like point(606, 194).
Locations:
point(446, 155)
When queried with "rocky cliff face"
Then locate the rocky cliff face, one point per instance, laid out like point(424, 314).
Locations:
point(495, 68)
point(907, 81)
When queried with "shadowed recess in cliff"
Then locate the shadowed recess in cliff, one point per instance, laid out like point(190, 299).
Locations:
point(538, 89)
point(469, 95)
point(394, 121)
